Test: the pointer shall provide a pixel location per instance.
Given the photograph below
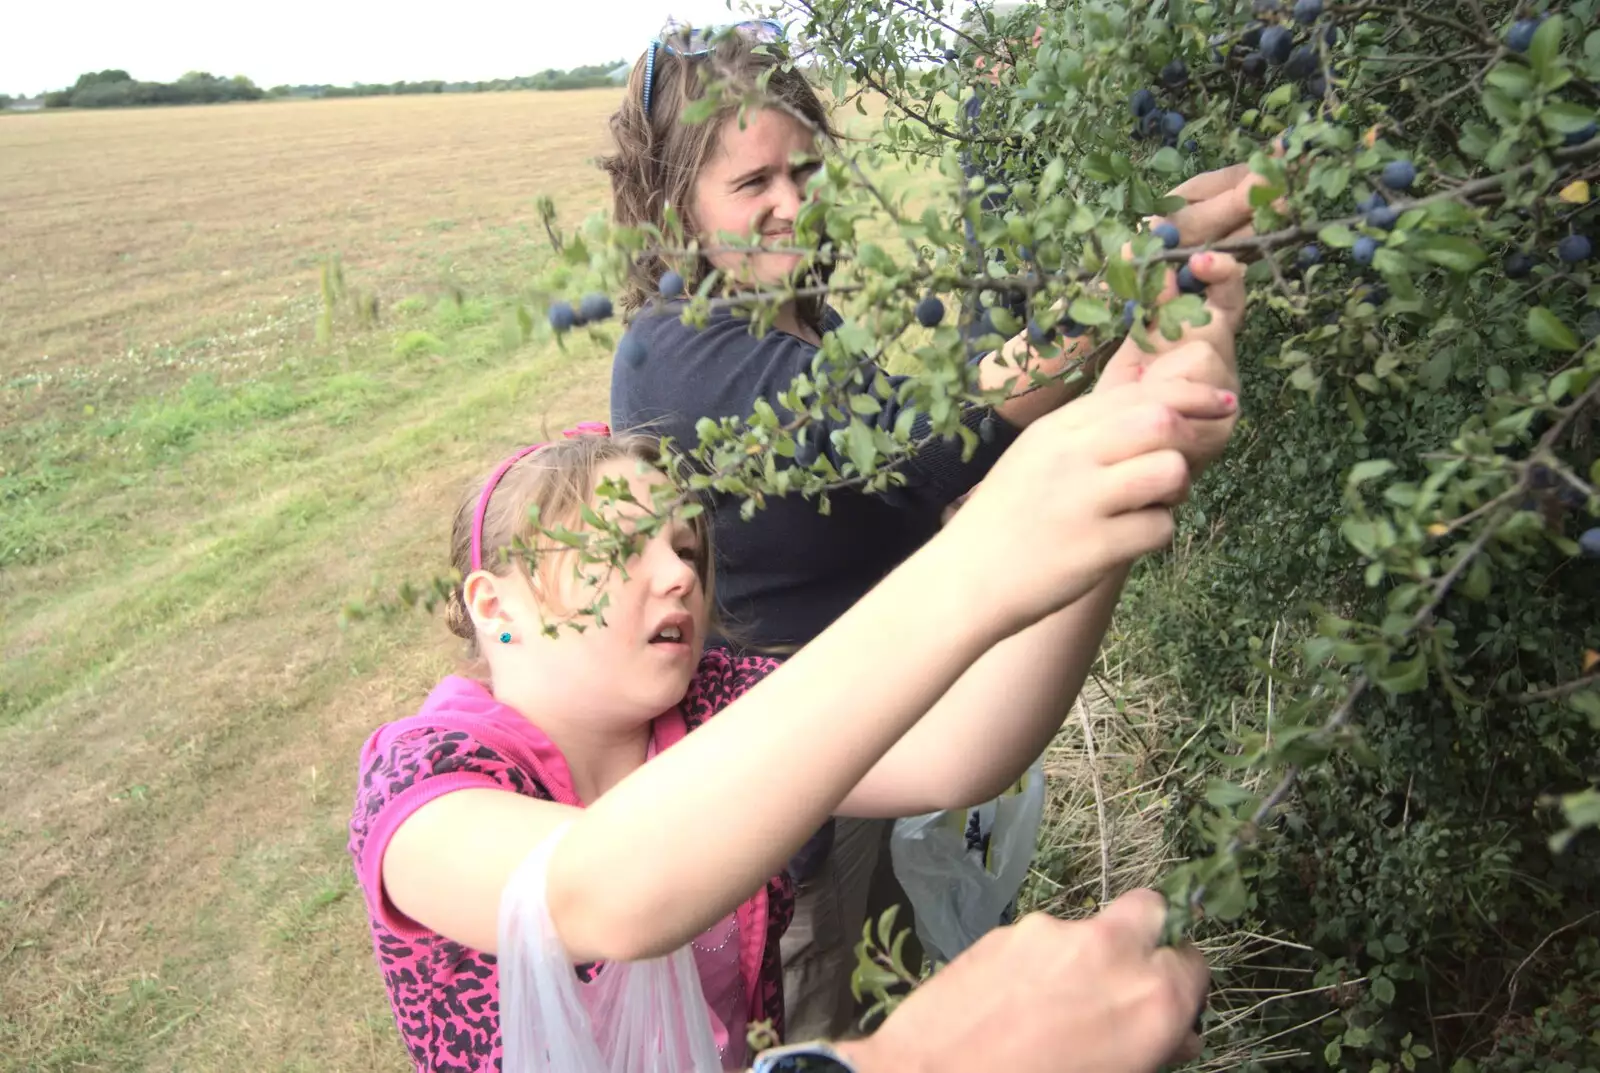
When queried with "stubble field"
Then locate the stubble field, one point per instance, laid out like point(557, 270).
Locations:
point(192, 486)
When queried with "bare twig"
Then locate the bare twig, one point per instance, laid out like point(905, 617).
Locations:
point(1099, 802)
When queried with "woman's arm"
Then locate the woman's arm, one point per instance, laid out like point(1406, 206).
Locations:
point(1005, 709)
point(1218, 208)
point(995, 720)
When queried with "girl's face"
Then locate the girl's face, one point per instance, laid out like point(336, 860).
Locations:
point(656, 618)
point(752, 183)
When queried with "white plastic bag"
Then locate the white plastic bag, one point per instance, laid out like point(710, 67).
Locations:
point(962, 869)
point(636, 1017)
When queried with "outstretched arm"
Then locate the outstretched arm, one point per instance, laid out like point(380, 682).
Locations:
point(1002, 712)
point(680, 842)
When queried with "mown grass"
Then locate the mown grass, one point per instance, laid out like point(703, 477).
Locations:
point(182, 524)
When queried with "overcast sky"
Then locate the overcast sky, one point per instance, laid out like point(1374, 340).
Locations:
point(46, 44)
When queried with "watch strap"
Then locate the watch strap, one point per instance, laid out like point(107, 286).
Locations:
point(818, 1056)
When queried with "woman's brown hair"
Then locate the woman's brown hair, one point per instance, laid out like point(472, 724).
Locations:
point(659, 156)
point(558, 479)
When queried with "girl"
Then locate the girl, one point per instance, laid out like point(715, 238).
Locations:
point(789, 571)
point(672, 837)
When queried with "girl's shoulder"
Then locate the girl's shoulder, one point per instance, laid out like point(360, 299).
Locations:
point(722, 678)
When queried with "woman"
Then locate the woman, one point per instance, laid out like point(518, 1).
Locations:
point(790, 571)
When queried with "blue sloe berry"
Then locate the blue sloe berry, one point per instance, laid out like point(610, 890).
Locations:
point(594, 308)
point(1301, 63)
point(631, 351)
point(563, 317)
point(1399, 174)
point(1574, 248)
point(1276, 44)
point(1520, 37)
point(1518, 264)
point(1383, 218)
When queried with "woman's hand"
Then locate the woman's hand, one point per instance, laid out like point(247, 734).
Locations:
point(1094, 480)
point(1052, 996)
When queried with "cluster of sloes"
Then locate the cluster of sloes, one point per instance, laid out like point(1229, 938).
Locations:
point(597, 307)
point(1271, 43)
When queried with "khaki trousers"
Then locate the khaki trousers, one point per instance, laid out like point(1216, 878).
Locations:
point(819, 947)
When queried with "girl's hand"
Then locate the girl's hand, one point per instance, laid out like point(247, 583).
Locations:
point(1225, 301)
point(1094, 482)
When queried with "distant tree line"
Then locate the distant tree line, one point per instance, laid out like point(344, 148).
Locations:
point(118, 89)
point(588, 77)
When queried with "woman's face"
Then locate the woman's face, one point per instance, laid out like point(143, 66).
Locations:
point(754, 184)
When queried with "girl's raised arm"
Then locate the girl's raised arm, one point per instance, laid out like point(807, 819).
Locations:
point(680, 842)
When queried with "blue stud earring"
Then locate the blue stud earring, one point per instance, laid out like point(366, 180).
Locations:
point(505, 637)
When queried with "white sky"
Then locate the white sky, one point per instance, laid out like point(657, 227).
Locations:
point(46, 44)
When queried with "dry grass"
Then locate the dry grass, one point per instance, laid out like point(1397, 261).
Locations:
point(1115, 774)
point(190, 488)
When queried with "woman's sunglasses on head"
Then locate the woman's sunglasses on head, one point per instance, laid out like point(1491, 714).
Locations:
point(681, 39)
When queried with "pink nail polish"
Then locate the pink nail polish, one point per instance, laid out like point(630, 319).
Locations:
point(1230, 400)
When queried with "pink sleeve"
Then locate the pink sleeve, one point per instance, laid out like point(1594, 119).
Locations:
point(400, 774)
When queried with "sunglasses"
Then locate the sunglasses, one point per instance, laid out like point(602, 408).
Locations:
point(681, 39)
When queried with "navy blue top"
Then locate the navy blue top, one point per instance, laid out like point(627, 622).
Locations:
point(787, 573)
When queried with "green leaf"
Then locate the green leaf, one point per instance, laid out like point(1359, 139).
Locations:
point(1338, 236)
point(1448, 251)
point(1330, 1053)
point(1226, 898)
point(1167, 161)
point(861, 446)
point(865, 405)
point(1368, 470)
point(1383, 990)
point(1122, 278)
point(1092, 313)
point(1397, 944)
point(1546, 329)
point(1003, 321)
point(1097, 166)
point(1546, 45)
point(1220, 794)
point(1475, 583)
point(1406, 676)
point(1361, 535)
point(1514, 78)
point(1565, 118)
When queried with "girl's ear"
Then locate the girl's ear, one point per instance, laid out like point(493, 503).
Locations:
point(486, 603)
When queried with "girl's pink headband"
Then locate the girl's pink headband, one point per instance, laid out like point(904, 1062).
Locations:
point(586, 428)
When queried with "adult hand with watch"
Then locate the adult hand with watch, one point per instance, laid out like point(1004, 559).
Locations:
point(1041, 996)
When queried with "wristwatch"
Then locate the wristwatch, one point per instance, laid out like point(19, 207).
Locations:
point(817, 1056)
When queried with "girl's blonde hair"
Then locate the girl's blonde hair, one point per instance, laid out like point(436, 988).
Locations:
point(559, 479)
point(659, 157)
